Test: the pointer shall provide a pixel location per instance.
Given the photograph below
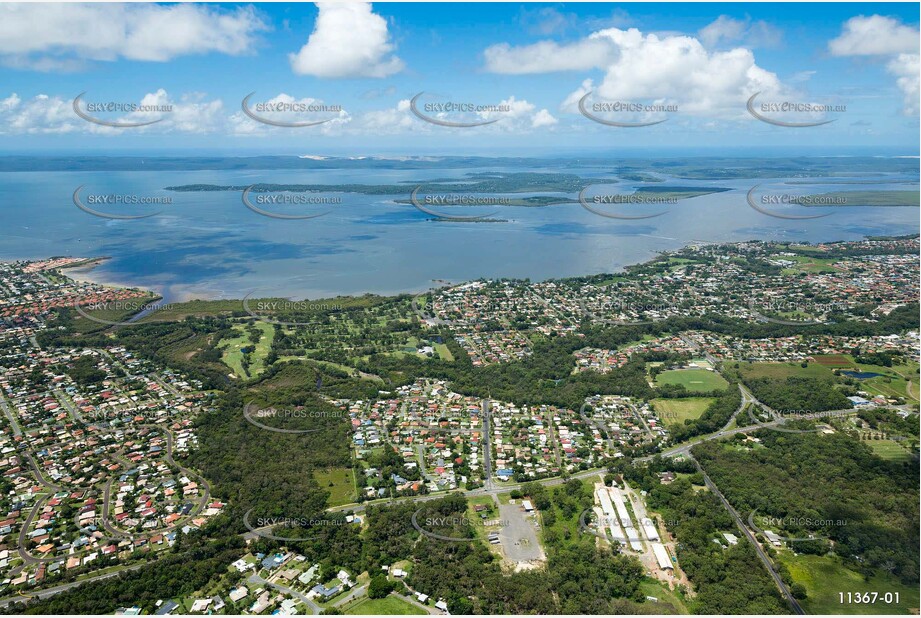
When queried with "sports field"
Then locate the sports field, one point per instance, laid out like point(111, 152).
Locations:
point(697, 380)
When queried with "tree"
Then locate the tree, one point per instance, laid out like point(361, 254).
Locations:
point(379, 587)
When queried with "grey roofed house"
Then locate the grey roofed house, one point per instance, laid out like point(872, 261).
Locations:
point(772, 537)
point(326, 592)
point(273, 561)
point(166, 608)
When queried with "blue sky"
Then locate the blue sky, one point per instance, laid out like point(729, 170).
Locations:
point(698, 62)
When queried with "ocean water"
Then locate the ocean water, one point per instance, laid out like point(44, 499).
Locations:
point(209, 245)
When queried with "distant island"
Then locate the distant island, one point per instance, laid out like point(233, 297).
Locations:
point(524, 182)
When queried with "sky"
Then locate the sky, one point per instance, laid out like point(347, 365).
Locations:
point(384, 73)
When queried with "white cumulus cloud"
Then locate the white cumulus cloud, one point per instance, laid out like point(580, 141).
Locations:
point(882, 36)
point(348, 40)
point(548, 56)
point(52, 114)
point(63, 36)
point(679, 69)
point(906, 68)
point(286, 108)
point(520, 115)
point(726, 29)
point(875, 35)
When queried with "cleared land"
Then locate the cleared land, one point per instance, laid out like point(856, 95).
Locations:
point(697, 380)
point(808, 264)
point(340, 484)
point(443, 352)
point(676, 411)
point(833, 360)
point(888, 449)
point(782, 371)
point(653, 588)
point(388, 606)
point(825, 577)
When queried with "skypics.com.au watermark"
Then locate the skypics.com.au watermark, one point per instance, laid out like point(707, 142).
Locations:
point(619, 113)
point(781, 417)
point(455, 199)
point(596, 525)
point(458, 115)
point(254, 415)
point(136, 415)
point(591, 202)
point(284, 113)
point(633, 309)
point(766, 203)
point(792, 522)
point(106, 200)
point(772, 111)
point(89, 110)
point(265, 526)
point(275, 306)
point(127, 305)
point(256, 201)
point(425, 524)
point(793, 308)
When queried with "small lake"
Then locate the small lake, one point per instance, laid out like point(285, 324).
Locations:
point(861, 375)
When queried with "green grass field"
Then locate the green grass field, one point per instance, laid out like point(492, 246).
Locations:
point(233, 357)
point(888, 449)
point(807, 264)
point(676, 411)
point(893, 383)
point(785, 370)
point(443, 352)
point(825, 576)
point(654, 588)
point(342, 490)
point(696, 380)
point(388, 606)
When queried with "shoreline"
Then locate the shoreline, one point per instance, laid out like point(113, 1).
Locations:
point(83, 272)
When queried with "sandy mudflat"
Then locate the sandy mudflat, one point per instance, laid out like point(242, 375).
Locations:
point(87, 273)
